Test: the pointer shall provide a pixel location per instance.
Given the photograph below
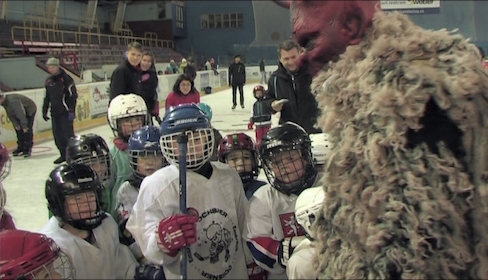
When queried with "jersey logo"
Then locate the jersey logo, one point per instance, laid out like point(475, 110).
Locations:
point(290, 225)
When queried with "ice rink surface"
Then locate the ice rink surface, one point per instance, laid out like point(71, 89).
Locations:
point(25, 185)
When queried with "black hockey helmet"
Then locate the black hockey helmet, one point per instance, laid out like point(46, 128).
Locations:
point(80, 181)
point(92, 150)
point(276, 152)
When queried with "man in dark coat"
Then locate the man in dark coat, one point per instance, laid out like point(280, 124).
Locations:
point(237, 79)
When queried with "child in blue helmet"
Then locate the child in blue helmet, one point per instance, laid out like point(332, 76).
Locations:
point(213, 227)
point(208, 112)
point(145, 159)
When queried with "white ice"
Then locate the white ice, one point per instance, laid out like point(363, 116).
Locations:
point(25, 186)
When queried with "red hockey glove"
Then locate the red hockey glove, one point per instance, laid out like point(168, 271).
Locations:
point(255, 272)
point(176, 232)
point(249, 125)
point(287, 247)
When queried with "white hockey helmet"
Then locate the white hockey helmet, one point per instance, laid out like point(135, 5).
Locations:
point(307, 207)
point(321, 147)
point(124, 106)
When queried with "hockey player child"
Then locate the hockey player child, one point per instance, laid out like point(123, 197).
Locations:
point(29, 255)
point(145, 159)
point(81, 229)
point(212, 228)
point(92, 150)
point(273, 231)
point(239, 152)
point(126, 114)
point(307, 210)
point(259, 117)
point(217, 136)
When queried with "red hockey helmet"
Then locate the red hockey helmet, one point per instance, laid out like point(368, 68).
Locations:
point(236, 142)
point(5, 162)
point(24, 254)
point(257, 88)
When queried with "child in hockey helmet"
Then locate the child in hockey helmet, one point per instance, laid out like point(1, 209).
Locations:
point(29, 255)
point(5, 162)
point(272, 229)
point(307, 210)
point(92, 150)
point(190, 120)
point(239, 152)
point(260, 118)
point(73, 194)
point(146, 158)
point(126, 114)
point(287, 160)
point(81, 228)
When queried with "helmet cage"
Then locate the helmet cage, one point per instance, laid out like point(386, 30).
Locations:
point(34, 260)
point(199, 151)
point(135, 154)
point(96, 163)
point(58, 204)
point(247, 176)
point(302, 182)
point(6, 167)
point(119, 118)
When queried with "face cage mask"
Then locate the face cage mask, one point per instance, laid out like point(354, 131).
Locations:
point(118, 130)
point(135, 154)
point(200, 147)
point(63, 269)
point(84, 223)
point(300, 183)
point(96, 163)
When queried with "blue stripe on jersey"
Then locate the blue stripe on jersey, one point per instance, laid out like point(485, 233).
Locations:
point(260, 257)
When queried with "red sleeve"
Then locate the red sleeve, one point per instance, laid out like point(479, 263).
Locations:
point(196, 97)
point(169, 101)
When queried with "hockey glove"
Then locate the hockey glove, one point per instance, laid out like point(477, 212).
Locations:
point(149, 271)
point(249, 125)
point(286, 248)
point(176, 232)
point(255, 272)
point(155, 110)
point(45, 117)
point(125, 237)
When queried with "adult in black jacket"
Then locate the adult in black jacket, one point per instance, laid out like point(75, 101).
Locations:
point(21, 111)
point(191, 70)
point(126, 78)
point(61, 98)
point(237, 79)
point(290, 82)
point(149, 84)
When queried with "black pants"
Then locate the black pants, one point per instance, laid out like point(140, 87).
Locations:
point(62, 132)
point(25, 139)
point(234, 93)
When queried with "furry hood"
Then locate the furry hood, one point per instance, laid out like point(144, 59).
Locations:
point(393, 208)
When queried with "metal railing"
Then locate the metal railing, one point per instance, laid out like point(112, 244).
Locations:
point(50, 35)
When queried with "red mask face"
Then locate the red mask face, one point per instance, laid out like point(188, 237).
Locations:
point(325, 28)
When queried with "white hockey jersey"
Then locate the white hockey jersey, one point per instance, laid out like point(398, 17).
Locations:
point(126, 198)
point(271, 218)
point(300, 264)
point(110, 260)
point(221, 204)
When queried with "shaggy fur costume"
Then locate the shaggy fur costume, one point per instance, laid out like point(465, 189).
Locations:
point(406, 187)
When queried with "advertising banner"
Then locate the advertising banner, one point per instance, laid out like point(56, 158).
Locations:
point(412, 6)
point(83, 103)
point(99, 97)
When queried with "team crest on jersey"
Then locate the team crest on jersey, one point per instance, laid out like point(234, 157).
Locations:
point(290, 225)
point(217, 242)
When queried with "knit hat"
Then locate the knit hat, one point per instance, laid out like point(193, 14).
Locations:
point(52, 61)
